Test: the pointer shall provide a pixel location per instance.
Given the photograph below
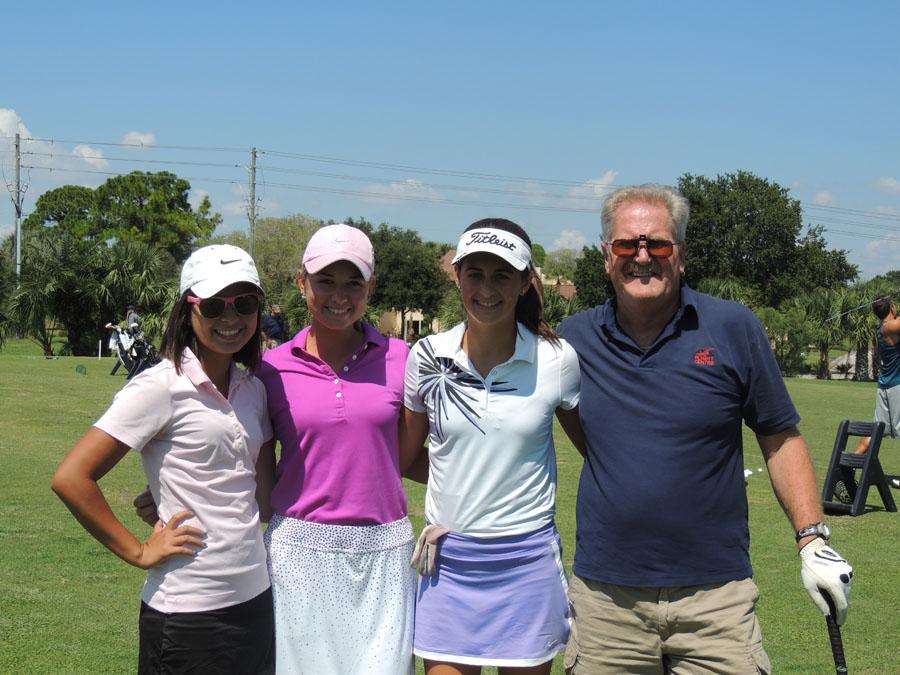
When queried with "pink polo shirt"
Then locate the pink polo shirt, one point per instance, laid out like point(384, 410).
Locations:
point(199, 453)
point(339, 460)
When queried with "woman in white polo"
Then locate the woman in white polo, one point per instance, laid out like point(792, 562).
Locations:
point(198, 422)
point(484, 394)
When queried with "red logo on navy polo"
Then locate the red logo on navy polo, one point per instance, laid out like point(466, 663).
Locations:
point(705, 357)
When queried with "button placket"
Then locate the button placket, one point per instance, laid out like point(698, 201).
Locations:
point(238, 443)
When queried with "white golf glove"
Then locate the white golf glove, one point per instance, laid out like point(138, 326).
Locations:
point(425, 555)
point(825, 571)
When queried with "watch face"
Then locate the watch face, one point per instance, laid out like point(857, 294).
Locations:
point(818, 530)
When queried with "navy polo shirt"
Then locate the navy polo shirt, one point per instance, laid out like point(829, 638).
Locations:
point(662, 500)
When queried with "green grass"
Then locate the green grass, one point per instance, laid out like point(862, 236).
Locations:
point(69, 606)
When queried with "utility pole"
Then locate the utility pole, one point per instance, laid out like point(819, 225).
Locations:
point(251, 207)
point(18, 206)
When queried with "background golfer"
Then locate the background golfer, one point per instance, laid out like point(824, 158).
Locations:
point(887, 401)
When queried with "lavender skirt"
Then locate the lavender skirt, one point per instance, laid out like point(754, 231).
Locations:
point(498, 601)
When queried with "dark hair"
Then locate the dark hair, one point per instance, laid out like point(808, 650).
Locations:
point(530, 306)
point(179, 334)
point(882, 307)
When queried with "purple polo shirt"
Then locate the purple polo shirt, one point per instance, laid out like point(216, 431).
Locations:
point(338, 431)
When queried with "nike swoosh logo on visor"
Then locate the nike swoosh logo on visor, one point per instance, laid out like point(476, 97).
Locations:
point(228, 262)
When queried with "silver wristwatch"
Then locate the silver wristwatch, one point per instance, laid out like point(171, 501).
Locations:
point(815, 530)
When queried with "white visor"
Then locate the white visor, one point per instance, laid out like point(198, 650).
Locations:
point(500, 243)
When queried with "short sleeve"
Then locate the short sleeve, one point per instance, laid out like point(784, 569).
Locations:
point(767, 407)
point(265, 422)
point(139, 411)
point(411, 397)
point(569, 377)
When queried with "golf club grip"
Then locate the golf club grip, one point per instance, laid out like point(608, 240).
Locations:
point(837, 645)
point(834, 636)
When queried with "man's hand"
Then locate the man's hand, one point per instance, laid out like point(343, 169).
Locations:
point(824, 571)
point(145, 507)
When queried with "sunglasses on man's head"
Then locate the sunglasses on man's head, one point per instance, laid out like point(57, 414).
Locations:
point(656, 248)
point(214, 307)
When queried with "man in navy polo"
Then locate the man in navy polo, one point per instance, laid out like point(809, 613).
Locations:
point(662, 568)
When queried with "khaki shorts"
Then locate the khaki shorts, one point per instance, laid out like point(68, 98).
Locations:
point(695, 629)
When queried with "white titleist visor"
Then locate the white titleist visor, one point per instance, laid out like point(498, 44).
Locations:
point(500, 243)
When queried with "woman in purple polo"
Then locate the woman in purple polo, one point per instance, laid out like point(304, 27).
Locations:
point(339, 540)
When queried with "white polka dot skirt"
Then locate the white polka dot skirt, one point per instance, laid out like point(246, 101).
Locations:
point(344, 597)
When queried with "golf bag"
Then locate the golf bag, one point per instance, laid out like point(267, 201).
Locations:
point(132, 349)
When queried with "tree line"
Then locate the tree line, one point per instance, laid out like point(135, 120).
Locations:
point(87, 252)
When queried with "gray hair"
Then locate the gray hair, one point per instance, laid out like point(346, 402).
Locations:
point(651, 193)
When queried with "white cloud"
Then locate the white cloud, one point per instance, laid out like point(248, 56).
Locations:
point(535, 194)
point(46, 155)
point(589, 194)
point(195, 198)
point(879, 246)
point(886, 210)
point(268, 207)
point(401, 191)
point(824, 198)
point(574, 239)
point(5, 231)
point(90, 155)
point(142, 138)
point(233, 208)
point(881, 255)
point(888, 184)
point(11, 124)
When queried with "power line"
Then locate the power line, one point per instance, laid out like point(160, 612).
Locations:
point(869, 214)
point(137, 146)
point(141, 161)
point(429, 200)
point(420, 169)
point(376, 194)
point(443, 186)
point(872, 226)
point(865, 235)
point(51, 169)
point(826, 218)
point(357, 193)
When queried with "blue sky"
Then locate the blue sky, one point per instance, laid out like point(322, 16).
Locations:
point(432, 115)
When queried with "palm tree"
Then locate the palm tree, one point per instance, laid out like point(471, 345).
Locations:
point(58, 280)
point(730, 288)
point(450, 311)
point(76, 287)
point(822, 309)
point(143, 275)
point(861, 325)
point(556, 307)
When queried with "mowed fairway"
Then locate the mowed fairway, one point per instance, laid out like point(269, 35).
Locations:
point(69, 606)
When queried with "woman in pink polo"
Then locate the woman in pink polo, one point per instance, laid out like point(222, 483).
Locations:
point(339, 541)
point(198, 422)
